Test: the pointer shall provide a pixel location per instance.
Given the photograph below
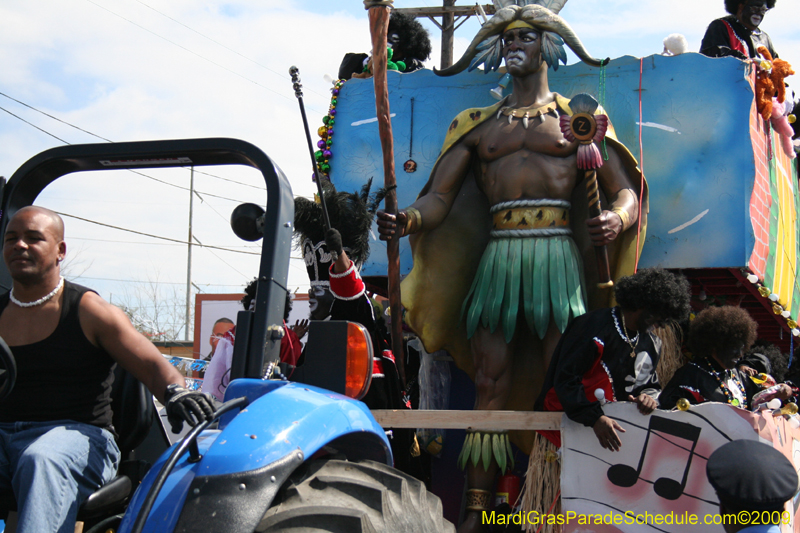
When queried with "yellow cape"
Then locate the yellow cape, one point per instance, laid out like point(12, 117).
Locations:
point(446, 259)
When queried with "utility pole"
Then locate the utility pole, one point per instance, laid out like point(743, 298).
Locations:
point(189, 259)
point(452, 18)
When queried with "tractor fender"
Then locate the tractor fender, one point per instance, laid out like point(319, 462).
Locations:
point(283, 425)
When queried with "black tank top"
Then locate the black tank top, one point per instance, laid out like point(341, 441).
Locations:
point(63, 377)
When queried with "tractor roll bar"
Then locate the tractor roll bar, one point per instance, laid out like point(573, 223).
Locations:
point(41, 170)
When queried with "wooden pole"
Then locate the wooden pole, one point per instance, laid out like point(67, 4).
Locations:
point(448, 30)
point(472, 420)
point(595, 210)
point(379, 26)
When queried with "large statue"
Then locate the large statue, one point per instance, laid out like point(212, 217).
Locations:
point(500, 228)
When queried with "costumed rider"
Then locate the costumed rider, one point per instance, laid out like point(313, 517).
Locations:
point(745, 491)
point(719, 371)
point(409, 46)
point(738, 34)
point(218, 373)
point(333, 259)
point(500, 230)
point(57, 442)
point(611, 355)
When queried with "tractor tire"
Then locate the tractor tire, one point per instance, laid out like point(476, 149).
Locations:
point(337, 496)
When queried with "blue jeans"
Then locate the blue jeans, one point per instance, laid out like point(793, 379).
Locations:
point(52, 468)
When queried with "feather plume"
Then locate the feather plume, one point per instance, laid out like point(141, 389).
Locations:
point(553, 5)
point(583, 103)
point(553, 49)
point(490, 53)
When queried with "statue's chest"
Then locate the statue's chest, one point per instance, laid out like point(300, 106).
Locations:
point(504, 136)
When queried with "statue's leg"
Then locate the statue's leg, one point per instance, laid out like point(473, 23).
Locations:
point(549, 343)
point(492, 358)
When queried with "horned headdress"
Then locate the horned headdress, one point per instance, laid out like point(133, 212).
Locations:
point(542, 15)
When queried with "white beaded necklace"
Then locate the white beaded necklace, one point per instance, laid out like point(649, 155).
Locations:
point(41, 300)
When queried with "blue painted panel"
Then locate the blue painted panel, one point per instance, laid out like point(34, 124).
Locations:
point(698, 155)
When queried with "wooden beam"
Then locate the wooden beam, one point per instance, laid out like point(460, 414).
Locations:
point(475, 420)
point(458, 11)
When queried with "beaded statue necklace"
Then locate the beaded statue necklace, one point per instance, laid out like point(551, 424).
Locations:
point(525, 113)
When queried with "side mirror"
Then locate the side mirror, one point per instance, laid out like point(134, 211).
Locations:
point(247, 222)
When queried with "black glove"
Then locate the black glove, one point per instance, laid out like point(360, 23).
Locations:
point(186, 405)
point(333, 240)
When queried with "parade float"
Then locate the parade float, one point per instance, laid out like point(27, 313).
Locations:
point(723, 204)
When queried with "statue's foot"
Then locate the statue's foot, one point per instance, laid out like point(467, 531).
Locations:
point(472, 524)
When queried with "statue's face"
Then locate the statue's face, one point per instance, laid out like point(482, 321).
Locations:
point(522, 50)
point(751, 12)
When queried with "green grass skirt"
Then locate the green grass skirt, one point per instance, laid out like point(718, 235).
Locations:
point(542, 275)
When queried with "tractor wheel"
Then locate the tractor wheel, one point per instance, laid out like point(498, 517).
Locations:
point(337, 496)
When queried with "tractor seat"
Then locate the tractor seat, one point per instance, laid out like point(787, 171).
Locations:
point(133, 413)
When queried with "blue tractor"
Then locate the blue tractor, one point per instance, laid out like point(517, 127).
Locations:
point(299, 456)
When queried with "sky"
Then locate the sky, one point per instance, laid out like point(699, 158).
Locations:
point(86, 71)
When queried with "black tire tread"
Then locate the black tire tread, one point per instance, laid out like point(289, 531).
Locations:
point(337, 496)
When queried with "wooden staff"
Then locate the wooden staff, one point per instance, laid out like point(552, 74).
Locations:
point(595, 210)
point(379, 27)
point(588, 129)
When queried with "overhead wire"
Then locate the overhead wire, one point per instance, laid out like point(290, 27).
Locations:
point(183, 283)
point(151, 243)
point(154, 236)
point(218, 257)
point(223, 67)
point(33, 125)
point(223, 45)
point(99, 137)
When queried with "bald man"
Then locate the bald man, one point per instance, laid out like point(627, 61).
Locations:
point(56, 439)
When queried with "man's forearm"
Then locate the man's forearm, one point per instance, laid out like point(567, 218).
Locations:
point(163, 375)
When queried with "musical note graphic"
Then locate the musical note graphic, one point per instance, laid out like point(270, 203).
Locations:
point(670, 489)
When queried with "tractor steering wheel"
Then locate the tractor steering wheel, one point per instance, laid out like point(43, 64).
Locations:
point(8, 370)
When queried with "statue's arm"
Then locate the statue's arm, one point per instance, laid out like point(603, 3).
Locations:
point(623, 209)
point(432, 208)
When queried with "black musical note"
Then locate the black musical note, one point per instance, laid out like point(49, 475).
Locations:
point(670, 489)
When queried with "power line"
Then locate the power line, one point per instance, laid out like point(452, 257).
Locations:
point(129, 170)
point(222, 45)
point(193, 52)
point(218, 257)
point(34, 125)
point(155, 236)
point(56, 118)
point(154, 282)
point(176, 241)
point(103, 139)
point(148, 243)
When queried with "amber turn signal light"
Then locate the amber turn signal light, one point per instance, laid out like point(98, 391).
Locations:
point(359, 361)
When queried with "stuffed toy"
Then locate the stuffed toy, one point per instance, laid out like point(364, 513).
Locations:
point(769, 82)
point(674, 45)
point(782, 126)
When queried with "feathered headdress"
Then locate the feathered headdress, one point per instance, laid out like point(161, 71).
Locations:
point(350, 213)
point(542, 15)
